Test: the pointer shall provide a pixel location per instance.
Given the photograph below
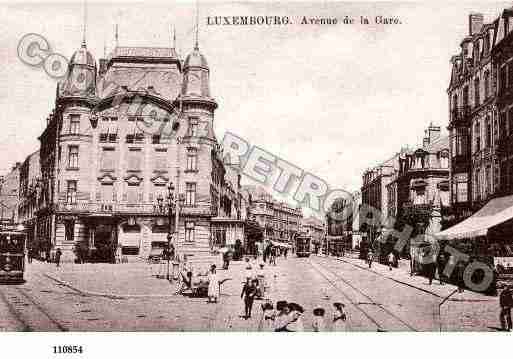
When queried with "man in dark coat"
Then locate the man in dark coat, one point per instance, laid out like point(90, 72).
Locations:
point(58, 255)
point(506, 303)
point(442, 261)
point(249, 292)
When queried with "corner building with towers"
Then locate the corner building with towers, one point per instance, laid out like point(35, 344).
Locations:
point(125, 136)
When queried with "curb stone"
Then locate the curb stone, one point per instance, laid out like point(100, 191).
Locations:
point(409, 284)
point(86, 293)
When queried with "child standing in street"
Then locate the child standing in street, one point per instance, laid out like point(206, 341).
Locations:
point(268, 314)
point(213, 285)
point(318, 321)
point(282, 318)
point(391, 260)
point(369, 258)
point(339, 318)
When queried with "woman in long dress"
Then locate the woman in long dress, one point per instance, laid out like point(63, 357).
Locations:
point(339, 318)
point(296, 322)
point(213, 285)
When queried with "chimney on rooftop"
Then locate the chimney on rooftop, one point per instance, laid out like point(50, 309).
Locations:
point(475, 23)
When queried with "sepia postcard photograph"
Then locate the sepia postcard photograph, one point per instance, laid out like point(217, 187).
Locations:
point(203, 166)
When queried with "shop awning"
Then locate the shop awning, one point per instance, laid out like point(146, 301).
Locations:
point(496, 211)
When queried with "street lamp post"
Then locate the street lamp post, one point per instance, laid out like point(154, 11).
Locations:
point(170, 198)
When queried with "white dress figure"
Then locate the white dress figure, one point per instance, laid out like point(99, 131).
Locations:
point(213, 285)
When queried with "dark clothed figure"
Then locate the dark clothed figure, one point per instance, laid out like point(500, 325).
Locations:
point(58, 255)
point(506, 303)
point(249, 292)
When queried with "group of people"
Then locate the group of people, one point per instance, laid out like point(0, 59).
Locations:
point(391, 259)
point(288, 317)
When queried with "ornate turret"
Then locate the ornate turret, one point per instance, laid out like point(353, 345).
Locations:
point(196, 75)
point(81, 75)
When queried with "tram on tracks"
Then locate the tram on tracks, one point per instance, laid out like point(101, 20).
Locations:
point(303, 245)
point(12, 256)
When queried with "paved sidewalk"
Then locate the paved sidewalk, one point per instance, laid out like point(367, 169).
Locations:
point(402, 275)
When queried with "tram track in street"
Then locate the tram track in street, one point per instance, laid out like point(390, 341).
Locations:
point(28, 312)
point(383, 318)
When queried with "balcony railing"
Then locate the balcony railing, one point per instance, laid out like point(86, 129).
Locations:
point(127, 208)
point(460, 116)
point(417, 208)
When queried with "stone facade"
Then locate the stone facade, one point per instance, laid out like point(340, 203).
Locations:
point(374, 191)
point(315, 228)
point(122, 142)
point(9, 195)
point(280, 221)
point(419, 189)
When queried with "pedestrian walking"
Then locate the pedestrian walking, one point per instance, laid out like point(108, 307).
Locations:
point(339, 318)
point(431, 270)
point(30, 254)
point(58, 255)
point(282, 317)
point(267, 253)
point(213, 285)
point(268, 315)
point(440, 267)
point(272, 257)
point(319, 324)
point(249, 270)
point(370, 258)
point(248, 294)
point(506, 303)
point(189, 270)
point(226, 260)
point(391, 260)
point(285, 253)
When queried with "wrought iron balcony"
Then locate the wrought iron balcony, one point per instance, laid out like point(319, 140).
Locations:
point(128, 208)
point(460, 116)
point(417, 208)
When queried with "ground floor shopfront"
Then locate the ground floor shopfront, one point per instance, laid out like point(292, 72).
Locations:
point(109, 237)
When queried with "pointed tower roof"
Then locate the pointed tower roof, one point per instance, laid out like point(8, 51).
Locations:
point(196, 59)
point(82, 57)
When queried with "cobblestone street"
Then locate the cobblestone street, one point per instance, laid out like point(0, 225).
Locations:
point(126, 297)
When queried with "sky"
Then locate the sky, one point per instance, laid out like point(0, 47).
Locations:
point(331, 99)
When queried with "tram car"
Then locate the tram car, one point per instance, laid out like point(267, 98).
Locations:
point(12, 256)
point(303, 246)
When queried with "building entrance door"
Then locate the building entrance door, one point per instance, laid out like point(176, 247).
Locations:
point(104, 243)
